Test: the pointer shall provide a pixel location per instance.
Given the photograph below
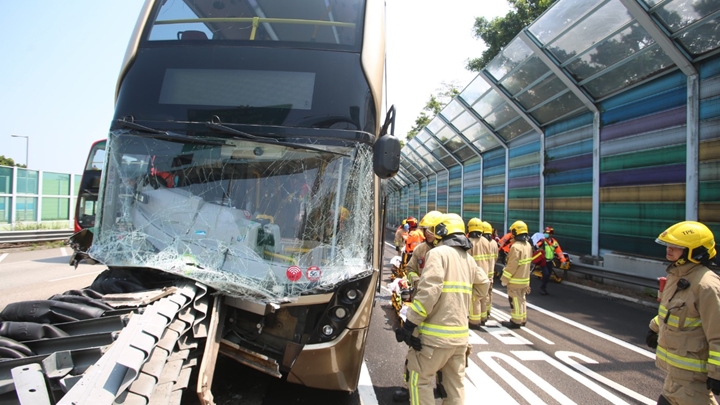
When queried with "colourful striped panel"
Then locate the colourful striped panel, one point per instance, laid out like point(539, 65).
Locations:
point(524, 182)
point(648, 123)
point(524, 171)
point(664, 193)
point(494, 199)
point(652, 157)
point(524, 204)
point(583, 147)
point(564, 191)
point(573, 163)
point(569, 178)
point(531, 192)
point(649, 175)
point(565, 204)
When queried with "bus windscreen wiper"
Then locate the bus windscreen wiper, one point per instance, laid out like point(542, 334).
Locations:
point(170, 136)
point(265, 139)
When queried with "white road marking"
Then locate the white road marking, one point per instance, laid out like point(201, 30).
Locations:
point(2, 256)
point(491, 392)
point(365, 387)
point(533, 355)
point(567, 358)
point(63, 251)
point(491, 360)
point(588, 329)
point(390, 245)
point(475, 339)
point(537, 335)
point(79, 275)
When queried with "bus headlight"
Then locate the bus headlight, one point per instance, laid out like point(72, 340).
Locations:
point(328, 330)
point(340, 313)
point(351, 294)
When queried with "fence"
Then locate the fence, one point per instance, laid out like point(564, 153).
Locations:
point(35, 199)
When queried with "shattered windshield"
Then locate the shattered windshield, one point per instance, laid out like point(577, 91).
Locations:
point(269, 222)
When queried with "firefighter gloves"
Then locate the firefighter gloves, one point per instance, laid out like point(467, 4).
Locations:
point(651, 339)
point(713, 385)
point(405, 334)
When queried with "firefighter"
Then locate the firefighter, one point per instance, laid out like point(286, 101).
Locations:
point(550, 246)
point(492, 259)
point(686, 331)
point(437, 322)
point(400, 236)
point(414, 238)
point(516, 275)
point(414, 270)
point(481, 253)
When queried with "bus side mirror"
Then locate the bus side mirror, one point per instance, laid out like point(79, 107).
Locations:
point(386, 156)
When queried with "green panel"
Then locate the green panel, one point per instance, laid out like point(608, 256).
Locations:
point(571, 218)
point(568, 230)
point(709, 192)
point(6, 180)
point(27, 181)
point(525, 160)
point(532, 192)
point(494, 180)
point(55, 184)
point(76, 188)
point(525, 216)
point(638, 227)
point(641, 210)
point(5, 204)
point(709, 171)
point(54, 209)
point(493, 208)
point(576, 245)
point(574, 190)
point(26, 209)
point(496, 220)
point(646, 158)
point(634, 245)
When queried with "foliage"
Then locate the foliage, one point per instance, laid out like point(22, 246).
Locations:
point(433, 107)
point(5, 161)
point(499, 31)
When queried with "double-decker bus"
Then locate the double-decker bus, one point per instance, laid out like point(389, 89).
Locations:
point(86, 204)
point(246, 153)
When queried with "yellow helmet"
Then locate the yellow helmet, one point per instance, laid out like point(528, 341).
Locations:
point(693, 236)
point(404, 222)
point(449, 224)
point(475, 225)
point(518, 228)
point(431, 219)
point(486, 227)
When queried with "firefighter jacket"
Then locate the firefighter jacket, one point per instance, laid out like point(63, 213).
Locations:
point(400, 236)
point(517, 270)
point(505, 242)
point(688, 324)
point(414, 238)
point(493, 245)
point(416, 264)
point(551, 247)
point(480, 251)
point(450, 280)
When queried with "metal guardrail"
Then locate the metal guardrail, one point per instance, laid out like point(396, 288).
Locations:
point(35, 236)
point(604, 273)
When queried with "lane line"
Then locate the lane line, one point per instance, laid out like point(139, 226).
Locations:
point(2, 256)
point(491, 392)
point(588, 329)
point(79, 275)
point(366, 390)
point(63, 251)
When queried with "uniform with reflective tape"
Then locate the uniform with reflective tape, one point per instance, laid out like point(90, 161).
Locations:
point(688, 325)
point(481, 253)
point(400, 236)
point(449, 282)
point(416, 264)
point(516, 276)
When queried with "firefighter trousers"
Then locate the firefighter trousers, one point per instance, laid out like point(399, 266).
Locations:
point(486, 304)
point(683, 392)
point(422, 367)
point(518, 314)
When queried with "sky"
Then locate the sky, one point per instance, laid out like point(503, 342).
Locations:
point(62, 59)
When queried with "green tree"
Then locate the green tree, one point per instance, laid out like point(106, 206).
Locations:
point(9, 162)
point(433, 107)
point(499, 31)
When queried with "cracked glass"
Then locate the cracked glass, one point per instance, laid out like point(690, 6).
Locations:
point(265, 220)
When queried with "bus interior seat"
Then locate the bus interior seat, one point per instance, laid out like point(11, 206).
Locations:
point(191, 35)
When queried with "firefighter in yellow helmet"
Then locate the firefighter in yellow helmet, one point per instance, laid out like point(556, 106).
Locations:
point(481, 253)
point(437, 321)
point(686, 331)
point(487, 233)
point(400, 236)
point(414, 270)
point(516, 274)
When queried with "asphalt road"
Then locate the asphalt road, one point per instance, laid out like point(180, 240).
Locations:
point(579, 347)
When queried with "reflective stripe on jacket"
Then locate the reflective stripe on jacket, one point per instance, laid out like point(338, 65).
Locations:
point(688, 324)
point(481, 254)
point(416, 264)
point(449, 281)
point(517, 269)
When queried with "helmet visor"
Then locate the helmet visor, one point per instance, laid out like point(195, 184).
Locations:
point(662, 242)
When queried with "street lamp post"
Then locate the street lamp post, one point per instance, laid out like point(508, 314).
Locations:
point(27, 147)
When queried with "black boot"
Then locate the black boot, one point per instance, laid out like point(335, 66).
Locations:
point(663, 401)
point(510, 325)
point(401, 395)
